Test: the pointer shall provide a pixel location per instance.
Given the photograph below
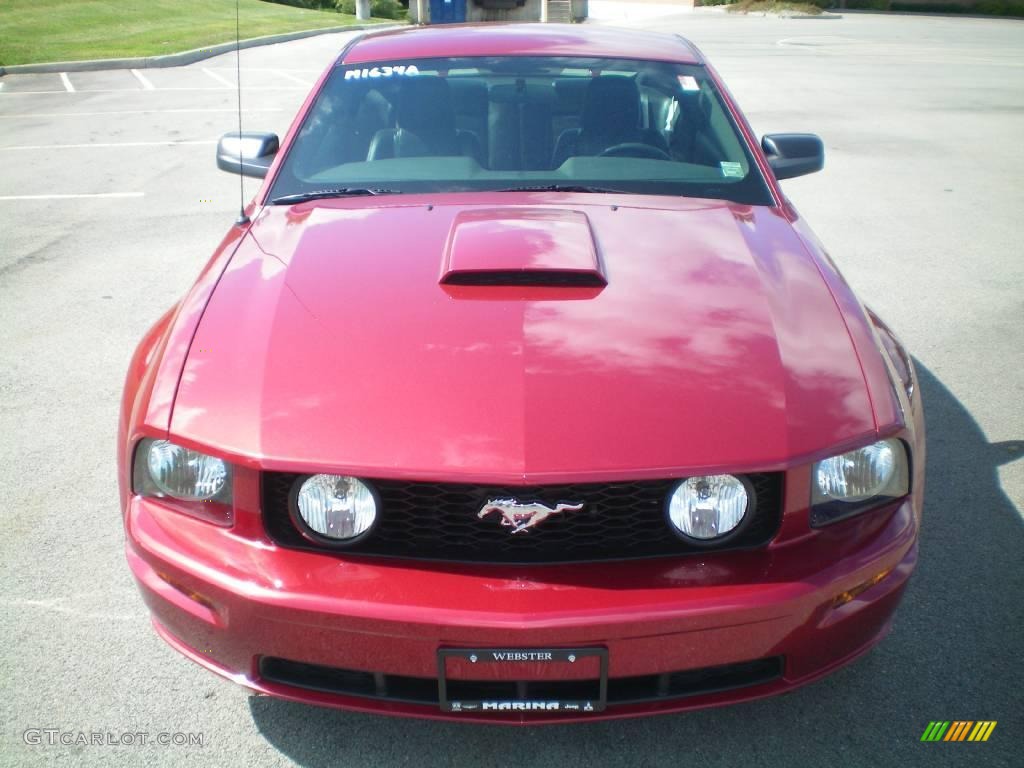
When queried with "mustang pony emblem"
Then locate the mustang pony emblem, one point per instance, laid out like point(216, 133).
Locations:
point(522, 517)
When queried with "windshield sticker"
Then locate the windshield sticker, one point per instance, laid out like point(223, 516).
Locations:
point(401, 69)
point(688, 83)
point(732, 170)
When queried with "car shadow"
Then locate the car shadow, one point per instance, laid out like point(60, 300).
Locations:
point(954, 654)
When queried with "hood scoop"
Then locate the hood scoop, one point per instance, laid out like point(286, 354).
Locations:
point(523, 247)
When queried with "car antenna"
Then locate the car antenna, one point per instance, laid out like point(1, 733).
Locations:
point(242, 218)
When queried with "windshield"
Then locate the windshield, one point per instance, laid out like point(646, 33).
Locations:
point(504, 123)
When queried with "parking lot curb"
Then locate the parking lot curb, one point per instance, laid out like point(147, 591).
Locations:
point(185, 57)
point(788, 15)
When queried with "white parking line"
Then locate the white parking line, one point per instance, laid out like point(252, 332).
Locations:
point(146, 85)
point(55, 606)
point(119, 144)
point(231, 110)
point(69, 197)
point(8, 94)
point(67, 82)
point(272, 69)
point(293, 78)
point(222, 80)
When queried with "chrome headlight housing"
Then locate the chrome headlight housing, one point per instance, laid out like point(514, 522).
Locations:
point(859, 480)
point(334, 509)
point(165, 470)
point(710, 508)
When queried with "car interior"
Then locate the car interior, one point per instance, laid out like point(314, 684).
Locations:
point(524, 125)
point(520, 123)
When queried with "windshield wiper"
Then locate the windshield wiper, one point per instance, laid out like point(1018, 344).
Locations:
point(322, 194)
point(567, 188)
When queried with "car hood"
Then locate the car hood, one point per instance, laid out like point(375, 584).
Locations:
point(709, 341)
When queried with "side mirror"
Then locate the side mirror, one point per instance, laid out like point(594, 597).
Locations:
point(793, 154)
point(249, 153)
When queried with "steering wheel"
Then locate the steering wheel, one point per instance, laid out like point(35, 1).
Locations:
point(635, 149)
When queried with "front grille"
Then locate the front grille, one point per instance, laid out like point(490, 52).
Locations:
point(424, 690)
point(438, 521)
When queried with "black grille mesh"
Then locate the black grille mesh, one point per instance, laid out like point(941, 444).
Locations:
point(438, 521)
point(422, 690)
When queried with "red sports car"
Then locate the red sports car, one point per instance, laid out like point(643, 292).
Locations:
point(521, 394)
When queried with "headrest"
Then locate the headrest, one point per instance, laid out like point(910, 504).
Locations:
point(612, 105)
point(425, 105)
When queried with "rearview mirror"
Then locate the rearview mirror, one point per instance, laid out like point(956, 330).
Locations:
point(793, 154)
point(249, 153)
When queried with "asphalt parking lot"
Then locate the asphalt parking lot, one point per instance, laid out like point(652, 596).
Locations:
point(110, 203)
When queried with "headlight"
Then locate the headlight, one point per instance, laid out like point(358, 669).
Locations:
point(708, 508)
point(202, 483)
point(336, 507)
point(858, 480)
point(183, 473)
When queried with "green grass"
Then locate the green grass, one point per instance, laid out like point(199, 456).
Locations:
point(34, 31)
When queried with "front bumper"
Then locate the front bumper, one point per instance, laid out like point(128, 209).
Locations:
point(228, 602)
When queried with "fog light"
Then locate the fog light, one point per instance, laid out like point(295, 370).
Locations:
point(708, 508)
point(336, 507)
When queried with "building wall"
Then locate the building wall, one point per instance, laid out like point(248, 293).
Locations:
point(530, 11)
point(580, 9)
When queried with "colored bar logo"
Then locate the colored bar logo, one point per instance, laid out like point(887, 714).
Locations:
point(958, 730)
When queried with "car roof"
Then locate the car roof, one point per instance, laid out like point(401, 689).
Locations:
point(520, 40)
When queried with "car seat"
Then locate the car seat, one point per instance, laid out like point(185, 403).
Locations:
point(611, 115)
point(424, 125)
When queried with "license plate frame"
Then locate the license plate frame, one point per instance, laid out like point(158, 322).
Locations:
point(512, 656)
